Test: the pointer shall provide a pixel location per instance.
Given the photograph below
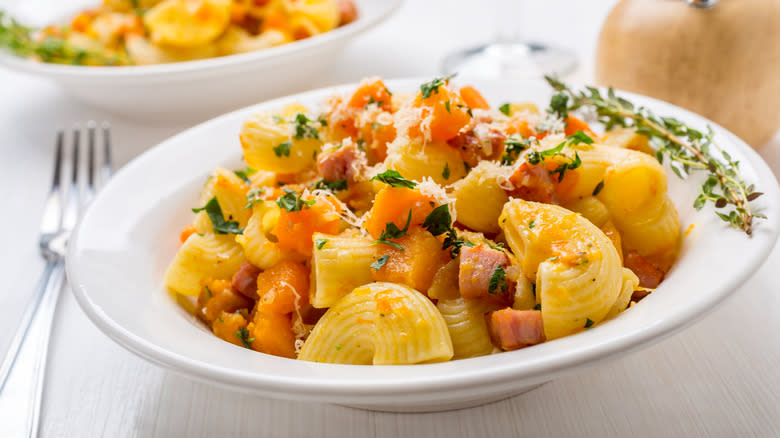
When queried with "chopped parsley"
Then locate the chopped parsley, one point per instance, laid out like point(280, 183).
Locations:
point(375, 126)
point(243, 335)
point(333, 186)
point(439, 220)
point(277, 119)
point(303, 127)
point(446, 172)
point(588, 322)
point(391, 231)
point(579, 137)
point(497, 246)
point(447, 106)
point(598, 188)
point(207, 292)
point(497, 281)
point(253, 197)
point(371, 100)
point(563, 167)
point(512, 148)
point(432, 87)
point(531, 224)
point(245, 173)
point(380, 262)
point(506, 109)
point(292, 202)
point(218, 222)
point(538, 306)
point(282, 149)
point(395, 179)
point(537, 157)
point(320, 243)
point(337, 347)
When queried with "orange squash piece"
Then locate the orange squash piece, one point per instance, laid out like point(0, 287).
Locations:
point(295, 228)
point(473, 98)
point(372, 92)
point(218, 296)
point(227, 325)
point(392, 204)
point(447, 112)
point(272, 333)
point(283, 288)
point(415, 266)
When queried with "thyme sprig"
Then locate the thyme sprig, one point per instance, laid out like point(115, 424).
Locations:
point(687, 149)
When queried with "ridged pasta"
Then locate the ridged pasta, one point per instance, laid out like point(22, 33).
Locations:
point(230, 191)
point(312, 16)
point(479, 198)
point(202, 257)
point(340, 265)
point(380, 324)
point(591, 208)
point(576, 269)
point(256, 241)
point(626, 138)
point(187, 23)
point(466, 323)
point(415, 161)
point(633, 189)
point(238, 40)
point(269, 144)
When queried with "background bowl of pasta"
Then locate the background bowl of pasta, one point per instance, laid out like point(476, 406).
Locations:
point(118, 258)
point(193, 89)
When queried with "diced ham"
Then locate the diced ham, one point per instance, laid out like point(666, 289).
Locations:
point(511, 329)
point(345, 162)
point(637, 295)
point(649, 276)
point(483, 141)
point(245, 280)
point(478, 265)
point(347, 12)
point(533, 183)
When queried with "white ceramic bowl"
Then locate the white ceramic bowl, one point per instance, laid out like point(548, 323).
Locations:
point(129, 234)
point(196, 90)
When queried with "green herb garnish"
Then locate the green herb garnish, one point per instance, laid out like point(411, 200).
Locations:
point(588, 322)
point(245, 173)
point(243, 335)
point(429, 88)
point(597, 189)
point(218, 222)
point(391, 231)
point(303, 127)
point(333, 186)
point(395, 179)
point(379, 263)
point(506, 109)
point(446, 172)
point(282, 149)
point(497, 281)
point(687, 149)
point(292, 202)
point(320, 243)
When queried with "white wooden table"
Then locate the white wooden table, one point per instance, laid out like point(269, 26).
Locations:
point(720, 377)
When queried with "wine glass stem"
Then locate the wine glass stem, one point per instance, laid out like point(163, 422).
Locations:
point(509, 21)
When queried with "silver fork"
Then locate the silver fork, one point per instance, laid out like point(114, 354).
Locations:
point(24, 367)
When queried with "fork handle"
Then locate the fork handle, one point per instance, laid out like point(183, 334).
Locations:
point(26, 362)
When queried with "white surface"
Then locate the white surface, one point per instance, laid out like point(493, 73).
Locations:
point(718, 378)
point(184, 91)
point(125, 241)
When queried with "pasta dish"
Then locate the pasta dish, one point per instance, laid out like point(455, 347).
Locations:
point(142, 32)
point(387, 228)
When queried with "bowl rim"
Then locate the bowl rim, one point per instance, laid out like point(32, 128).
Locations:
point(473, 378)
point(381, 11)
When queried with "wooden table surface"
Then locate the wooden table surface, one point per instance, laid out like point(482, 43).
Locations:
point(720, 377)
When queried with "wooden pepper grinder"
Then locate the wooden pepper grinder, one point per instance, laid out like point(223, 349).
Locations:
point(719, 59)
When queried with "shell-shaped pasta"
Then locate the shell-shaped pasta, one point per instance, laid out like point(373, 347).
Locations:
point(479, 198)
point(630, 282)
point(380, 324)
point(415, 161)
point(237, 40)
point(202, 257)
point(230, 191)
point(591, 208)
point(316, 16)
point(576, 268)
point(142, 52)
point(339, 265)
point(466, 323)
point(633, 189)
point(627, 138)
point(187, 23)
point(269, 145)
point(260, 250)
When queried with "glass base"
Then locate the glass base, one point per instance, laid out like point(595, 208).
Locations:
point(511, 61)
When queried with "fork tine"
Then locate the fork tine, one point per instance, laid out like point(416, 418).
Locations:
point(52, 213)
point(71, 206)
point(90, 190)
point(107, 166)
